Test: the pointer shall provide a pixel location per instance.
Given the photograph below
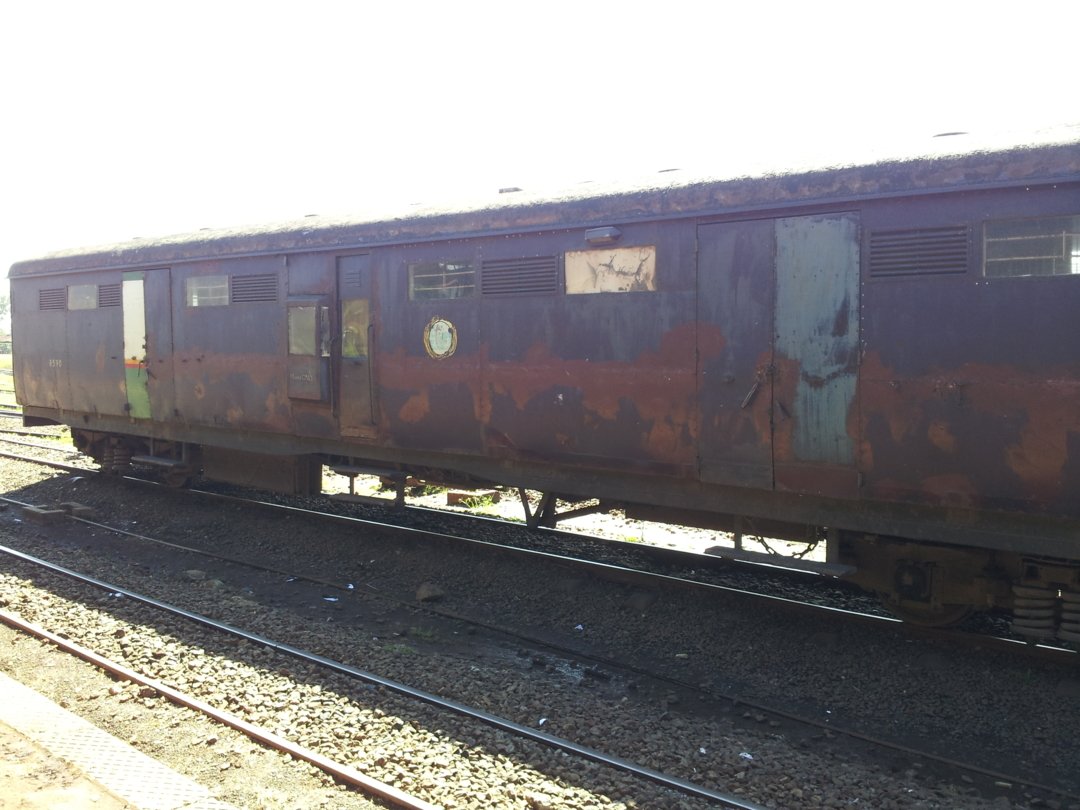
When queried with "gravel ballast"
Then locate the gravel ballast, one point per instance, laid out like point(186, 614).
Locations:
point(850, 676)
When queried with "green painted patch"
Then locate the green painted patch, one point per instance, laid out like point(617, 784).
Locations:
point(138, 396)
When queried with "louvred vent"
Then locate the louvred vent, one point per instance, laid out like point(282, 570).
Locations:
point(52, 299)
point(351, 278)
point(248, 289)
point(926, 251)
point(108, 295)
point(532, 276)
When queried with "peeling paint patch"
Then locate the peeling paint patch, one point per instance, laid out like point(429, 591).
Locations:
point(630, 269)
point(817, 283)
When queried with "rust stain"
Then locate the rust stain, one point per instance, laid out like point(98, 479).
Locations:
point(711, 341)
point(416, 408)
point(785, 385)
point(954, 489)
point(941, 436)
point(1004, 427)
point(660, 385)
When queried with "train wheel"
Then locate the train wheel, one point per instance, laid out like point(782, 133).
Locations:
point(929, 615)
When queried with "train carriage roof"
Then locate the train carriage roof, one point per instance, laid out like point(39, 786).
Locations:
point(953, 162)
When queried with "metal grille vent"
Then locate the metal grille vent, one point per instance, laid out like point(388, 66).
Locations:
point(52, 299)
point(108, 295)
point(926, 251)
point(351, 277)
point(530, 276)
point(248, 289)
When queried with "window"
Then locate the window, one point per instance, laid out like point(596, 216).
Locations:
point(1032, 247)
point(309, 330)
point(82, 296)
point(302, 331)
point(438, 281)
point(207, 291)
point(630, 269)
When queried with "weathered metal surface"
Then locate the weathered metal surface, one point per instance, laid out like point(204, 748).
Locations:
point(667, 196)
point(735, 307)
point(970, 387)
point(816, 354)
point(301, 475)
point(730, 382)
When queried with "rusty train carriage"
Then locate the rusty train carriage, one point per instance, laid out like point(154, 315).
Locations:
point(884, 355)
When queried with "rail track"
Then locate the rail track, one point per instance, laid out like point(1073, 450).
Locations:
point(337, 769)
point(608, 570)
point(618, 560)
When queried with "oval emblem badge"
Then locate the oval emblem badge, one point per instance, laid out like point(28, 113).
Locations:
point(440, 338)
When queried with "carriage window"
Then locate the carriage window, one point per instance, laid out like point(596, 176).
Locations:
point(630, 269)
point(1032, 247)
point(302, 330)
point(436, 281)
point(82, 296)
point(207, 291)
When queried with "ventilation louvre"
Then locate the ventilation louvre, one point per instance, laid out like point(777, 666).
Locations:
point(923, 251)
point(250, 289)
point(108, 295)
point(351, 277)
point(52, 299)
point(531, 276)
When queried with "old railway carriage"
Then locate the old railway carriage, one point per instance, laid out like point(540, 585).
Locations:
point(882, 356)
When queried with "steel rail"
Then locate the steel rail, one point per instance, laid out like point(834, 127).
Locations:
point(625, 573)
point(336, 769)
point(495, 721)
point(607, 570)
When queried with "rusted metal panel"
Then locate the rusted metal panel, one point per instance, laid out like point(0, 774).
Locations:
point(230, 362)
point(299, 475)
point(159, 344)
point(735, 298)
point(970, 386)
point(598, 380)
point(39, 341)
point(95, 350)
point(817, 353)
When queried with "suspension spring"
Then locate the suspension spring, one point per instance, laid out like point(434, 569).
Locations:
point(1035, 612)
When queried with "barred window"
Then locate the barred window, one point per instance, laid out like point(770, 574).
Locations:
point(207, 291)
point(1049, 246)
point(436, 281)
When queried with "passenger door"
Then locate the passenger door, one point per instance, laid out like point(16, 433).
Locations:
point(816, 354)
point(735, 346)
point(778, 338)
point(148, 344)
point(356, 404)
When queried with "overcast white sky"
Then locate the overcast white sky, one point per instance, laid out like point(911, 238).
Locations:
point(124, 119)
